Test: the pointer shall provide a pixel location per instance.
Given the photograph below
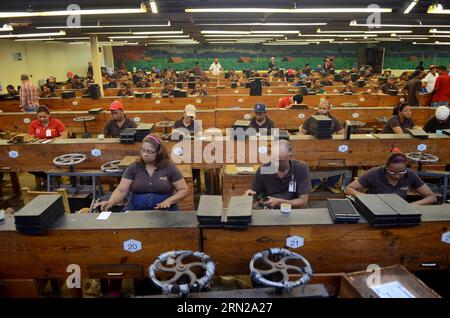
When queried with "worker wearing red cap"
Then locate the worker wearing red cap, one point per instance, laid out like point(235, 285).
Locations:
point(119, 121)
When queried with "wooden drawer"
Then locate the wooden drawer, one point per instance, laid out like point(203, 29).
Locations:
point(107, 271)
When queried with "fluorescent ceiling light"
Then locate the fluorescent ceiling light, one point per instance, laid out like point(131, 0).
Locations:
point(289, 43)
point(142, 9)
point(341, 35)
point(331, 31)
point(158, 32)
point(387, 32)
point(304, 10)
point(264, 24)
point(307, 40)
point(355, 42)
point(437, 9)
point(224, 32)
point(411, 6)
point(108, 33)
point(243, 35)
point(275, 32)
point(239, 39)
point(6, 27)
point(415, 38)
point(378, 25)
point(33, 35)
point(28, 40)
point(435, 43)
point(153, 6)
point(439, 32)
point(439, 36)
point(106, 26)
point(148, 36)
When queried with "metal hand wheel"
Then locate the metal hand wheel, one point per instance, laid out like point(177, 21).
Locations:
point(111, 166)
point(173, 276)
point(274, 268)
point(70, 159)
point(420, 157)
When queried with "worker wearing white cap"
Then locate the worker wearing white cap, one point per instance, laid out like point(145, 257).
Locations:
point(440, 121)
point(187, 121)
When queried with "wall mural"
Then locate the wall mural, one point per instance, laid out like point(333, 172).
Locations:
point(145, 57)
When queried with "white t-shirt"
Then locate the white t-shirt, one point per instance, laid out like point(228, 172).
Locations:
point(430, 79)
point(215, 68)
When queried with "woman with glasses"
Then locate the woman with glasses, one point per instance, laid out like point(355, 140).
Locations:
point(394, 177)
point(401, 120)
point(153, 180)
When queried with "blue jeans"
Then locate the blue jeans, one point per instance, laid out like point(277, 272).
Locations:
point(331, 181)
point(147, 201)
point(30, 109)
point(437, 104)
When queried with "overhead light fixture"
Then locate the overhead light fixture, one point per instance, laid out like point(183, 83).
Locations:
point(29, 40)
point(439, 31)
point(147, 36)
point(32, 35)
point(158, 32)
point(297, 10)
point(153, 6)
point(435, 43)
point(289, 43)
point(331, 31)
point(6, 27)
point(277, 31)
point(142, 9)
point(437, 9)
point(264, 24)
point(440, 36)
point(379, 25)
point(306, 40)
point(387, 32)
point(411, 6)
point(414, 38)
point(341, 35)
point(355, 42)
point(106, 26)
point(224, 32)
point(242, 35)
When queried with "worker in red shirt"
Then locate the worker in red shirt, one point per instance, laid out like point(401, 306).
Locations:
point(441, 88)
point(287, 101)
point(45, 126)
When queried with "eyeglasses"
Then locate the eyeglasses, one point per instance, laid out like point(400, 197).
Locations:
point(399, 173)
point(148, 152)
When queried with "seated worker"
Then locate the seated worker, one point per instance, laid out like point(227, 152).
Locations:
point(187, 121)
point(348, 88)
point(77, 83)
point(119, 121)
point(51, 82)
point(328, 80)
point(124, 91)
point(11, 91)
point(401, 120)
point(394, 177)
point(336, 128)
point(168, 89)
point(316, 87)
point(324, 108)
point(287, 101)
point(260, 122)
point(46, 92)
point(153, 180)
point(45, 126)
point(389, 87)
point(198, 91)
point(282, 180)
point(440, 121)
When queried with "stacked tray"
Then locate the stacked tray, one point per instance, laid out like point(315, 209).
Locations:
point(128, 135)
point(142, 131)
point(342, 211)
point(418, 133)
point(239, 212)
point(38, 215)
point(209, 212)
point(386, 210)
point(321, 126)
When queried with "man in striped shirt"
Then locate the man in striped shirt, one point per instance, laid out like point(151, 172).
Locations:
point(28, 95)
